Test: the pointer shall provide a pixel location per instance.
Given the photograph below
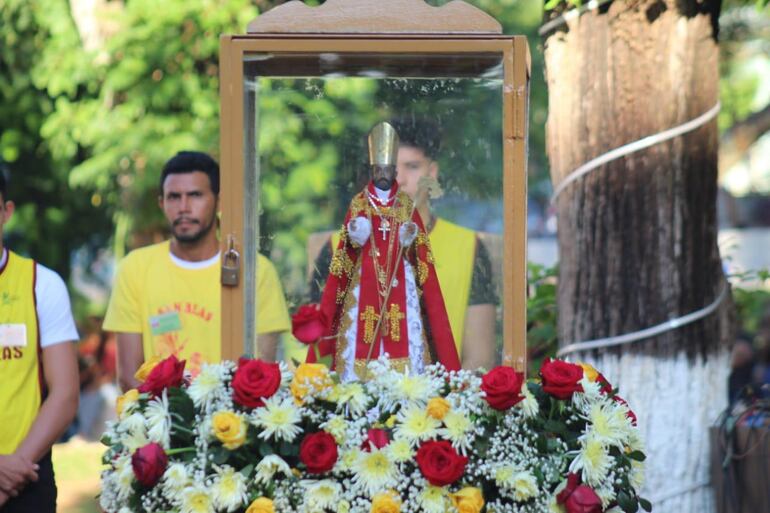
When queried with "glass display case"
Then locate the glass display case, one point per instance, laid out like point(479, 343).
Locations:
point(299, 94)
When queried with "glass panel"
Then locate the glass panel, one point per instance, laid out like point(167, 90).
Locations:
point(306, 126)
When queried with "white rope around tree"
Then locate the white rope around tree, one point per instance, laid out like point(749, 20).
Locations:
point(637, 145)
point(653, 331)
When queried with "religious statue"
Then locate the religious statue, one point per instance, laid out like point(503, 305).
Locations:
point(382, 294)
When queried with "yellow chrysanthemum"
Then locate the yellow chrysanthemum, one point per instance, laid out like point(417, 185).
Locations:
point(438, 407)
point(524, 486)
point(468, 500)
point(145, 369)
point(593, 460)
point(229, 428)
point(309, 379)
point(126, 401)
point(261, 505)
point(386, 502)
point(399, 450)
point(433, 499)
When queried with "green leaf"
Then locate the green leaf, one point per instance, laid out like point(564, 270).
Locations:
point(637, 456)
point(627, 503)
point(645, 504)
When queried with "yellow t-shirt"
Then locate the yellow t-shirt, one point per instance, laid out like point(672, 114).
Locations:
point(177, 309)
point(20, 367)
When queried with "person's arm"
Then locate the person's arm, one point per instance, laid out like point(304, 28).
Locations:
point(130, 358)
point(478, 349)
point(60, 371)
point(479, 337)
point(267, 345)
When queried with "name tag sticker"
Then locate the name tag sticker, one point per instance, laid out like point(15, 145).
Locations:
point(165, 323)
point(13, 335)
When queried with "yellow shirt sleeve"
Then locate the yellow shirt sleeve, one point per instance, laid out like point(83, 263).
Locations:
point(123, 312)
point(272, 314)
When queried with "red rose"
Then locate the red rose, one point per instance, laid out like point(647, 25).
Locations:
point(166, 374)
point(606, 387)
point(375, 437)
point(579, 498)
point(630, 414)
point(149, 463)
point(560, 379)
point(503, 387)
point(440, 463)
point(308, 323)
point(255, 380)
point(318, 451)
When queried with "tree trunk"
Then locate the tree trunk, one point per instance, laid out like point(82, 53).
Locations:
point(637, 236)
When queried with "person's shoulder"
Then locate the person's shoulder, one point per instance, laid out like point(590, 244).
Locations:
point(443, 224)
point(146, 254)
point(48, 278)
point(265, 263)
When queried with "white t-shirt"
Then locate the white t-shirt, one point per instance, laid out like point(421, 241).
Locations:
point(54, 314)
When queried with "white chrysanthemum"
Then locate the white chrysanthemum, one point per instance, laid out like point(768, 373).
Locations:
point(606, 494)
point(554, 506)
point(133, 423)
point(349, 458)
point(351, 397)
point(636, 476)
point(158, 420)
point(343, 506)
point(415, 425)
point(608, 424)
point(125, 509)
point(592, 391)
point(229, 489)
point(269, 466)
point(414, 388)
point(374, 471)
point(175, 479)
point(124, 477)
point(399, 450)
point(321, 494)
point(433, 499)
point(337, 427)
point(278, 419)
point(133, 440)
point(593, 461)
point(524, 486)
point(504, 476)
point(197, 500)
point(458, 430)
point(528, 405)
point(202, 389)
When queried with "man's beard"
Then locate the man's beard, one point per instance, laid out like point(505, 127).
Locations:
point(189, 238)
point(382, 183)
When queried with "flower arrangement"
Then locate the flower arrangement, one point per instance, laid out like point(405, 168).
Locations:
point(252, 436)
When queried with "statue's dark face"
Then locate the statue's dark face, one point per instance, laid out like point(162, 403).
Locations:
point(383, 176)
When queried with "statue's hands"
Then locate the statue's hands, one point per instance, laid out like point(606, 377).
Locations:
point(407, 233)
point(359, 229)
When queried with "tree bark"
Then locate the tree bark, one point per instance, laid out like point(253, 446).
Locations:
point(637, 236)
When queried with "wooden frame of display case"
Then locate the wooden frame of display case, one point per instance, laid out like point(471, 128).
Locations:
point(378, 27)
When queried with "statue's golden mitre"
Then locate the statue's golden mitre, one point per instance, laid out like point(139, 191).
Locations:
point(383, 145)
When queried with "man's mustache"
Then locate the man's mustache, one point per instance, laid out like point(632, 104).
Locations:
point(185, 220)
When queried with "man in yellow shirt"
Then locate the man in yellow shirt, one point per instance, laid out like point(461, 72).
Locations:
point(38, 376)
point(166, 297)
point(462, 261)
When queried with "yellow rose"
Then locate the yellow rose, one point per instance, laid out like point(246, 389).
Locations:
point(229, 428)
point(386, 503)
point(468, 500)
point(125, 401)
point(309, 378)
point(146, 368)
point(438, 407)
point(261, 505)
point(589, 372)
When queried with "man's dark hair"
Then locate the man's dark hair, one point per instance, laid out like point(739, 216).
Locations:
point(419, 132)
point(189, 161)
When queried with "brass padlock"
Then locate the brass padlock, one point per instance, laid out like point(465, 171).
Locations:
point(231, 266)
